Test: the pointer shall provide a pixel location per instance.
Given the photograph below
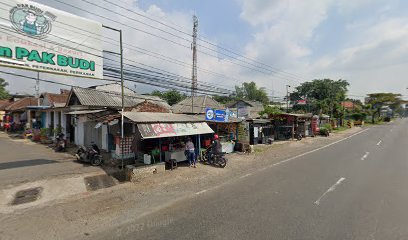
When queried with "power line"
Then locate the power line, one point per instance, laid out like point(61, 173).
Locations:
point(166, 39)
point(62, 45)
point(204, 70)
point(276, 70)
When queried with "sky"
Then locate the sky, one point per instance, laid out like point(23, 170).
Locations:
point(271, 42)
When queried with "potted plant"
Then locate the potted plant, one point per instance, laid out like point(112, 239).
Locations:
point(36, 135)
point(44, 135)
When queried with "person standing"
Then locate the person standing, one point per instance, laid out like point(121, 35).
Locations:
point(190, 153)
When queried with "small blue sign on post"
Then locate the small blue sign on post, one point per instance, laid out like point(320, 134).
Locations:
point(209, 114)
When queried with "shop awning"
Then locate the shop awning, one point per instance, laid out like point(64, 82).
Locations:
point(162, 130)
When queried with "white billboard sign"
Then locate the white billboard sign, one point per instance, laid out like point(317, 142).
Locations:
point(40, 38)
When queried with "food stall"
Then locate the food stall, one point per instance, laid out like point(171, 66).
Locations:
point(226, 127)
point(228, 134)
point(162, 136)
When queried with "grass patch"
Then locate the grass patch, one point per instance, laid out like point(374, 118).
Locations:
point(340, 129)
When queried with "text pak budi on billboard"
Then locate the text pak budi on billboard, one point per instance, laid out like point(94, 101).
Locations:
point(40, 38)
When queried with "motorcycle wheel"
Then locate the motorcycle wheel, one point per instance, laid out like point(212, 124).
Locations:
point(96, 160)
point(203, 157)
point(222, 162)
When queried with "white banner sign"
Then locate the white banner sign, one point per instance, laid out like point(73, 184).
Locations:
point(40, 38)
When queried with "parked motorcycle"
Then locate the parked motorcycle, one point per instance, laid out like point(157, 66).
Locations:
point(60, 143)
point(209, 158)
point(90, 155)
point(298, 136)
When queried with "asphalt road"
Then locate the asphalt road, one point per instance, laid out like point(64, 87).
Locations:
point(352, 189)
point(25, 161)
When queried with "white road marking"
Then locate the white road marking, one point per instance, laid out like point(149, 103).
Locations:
point(293, 158)
point(315, 150)
point(246, 175)
point(365, 156)
point(331, 189)
point(379, 143)
point(200, 192)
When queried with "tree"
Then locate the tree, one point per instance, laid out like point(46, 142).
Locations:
point(3, 92)
point(224, 99)
point(270, 110)
point(324, 96)
point(249, 91)
point(379, 100)
point(171, 97)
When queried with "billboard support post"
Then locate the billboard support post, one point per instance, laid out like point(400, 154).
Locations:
point(121, 86)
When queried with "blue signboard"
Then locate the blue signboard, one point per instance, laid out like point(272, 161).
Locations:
point(209, 114)
point(217, 115)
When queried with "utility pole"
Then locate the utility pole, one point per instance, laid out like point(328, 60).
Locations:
point(194, 71)
point(37, 88)
point(287, 98)
point(121, 85)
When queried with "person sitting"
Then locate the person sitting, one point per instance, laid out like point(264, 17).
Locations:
point(215, 148)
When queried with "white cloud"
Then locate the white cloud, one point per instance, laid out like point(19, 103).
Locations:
point(375, 48)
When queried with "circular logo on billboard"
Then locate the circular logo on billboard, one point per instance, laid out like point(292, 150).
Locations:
point(31, 21)
point(210, 114)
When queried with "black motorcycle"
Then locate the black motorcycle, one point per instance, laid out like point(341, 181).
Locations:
point(90, 155)
point(216, 160)
point(60, 143)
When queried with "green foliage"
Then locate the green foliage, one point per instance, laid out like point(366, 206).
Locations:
point(4, 94)
point(58, 129)
point(44, 132)
point(171, 97)
point(249, 91)
point(324, 131)
point(378, 100)
point(270, 110)
point(328, 126)
point(224, 99)
point(324, 96)
point(358, 116)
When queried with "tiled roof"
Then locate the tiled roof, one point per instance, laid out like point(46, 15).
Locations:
point(96, 98)
point(4, 103)
point(348, 104)
point(57, 99)
point(22, 104)
point(200, 104)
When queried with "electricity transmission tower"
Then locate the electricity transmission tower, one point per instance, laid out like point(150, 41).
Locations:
point(194, 72)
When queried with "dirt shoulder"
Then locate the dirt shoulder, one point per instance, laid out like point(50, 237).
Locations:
point(83, 214)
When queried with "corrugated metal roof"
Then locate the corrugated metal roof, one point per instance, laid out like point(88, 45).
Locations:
point(200, 104)
point(97, 98)
point(150, 117)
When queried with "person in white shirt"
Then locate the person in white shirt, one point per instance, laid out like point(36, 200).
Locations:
point(190, 152)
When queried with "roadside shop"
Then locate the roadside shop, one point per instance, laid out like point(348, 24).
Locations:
point(225, 126)
point(160, 137)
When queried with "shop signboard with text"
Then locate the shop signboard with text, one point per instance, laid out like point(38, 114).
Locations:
point(40, 38)
point(217, 115)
